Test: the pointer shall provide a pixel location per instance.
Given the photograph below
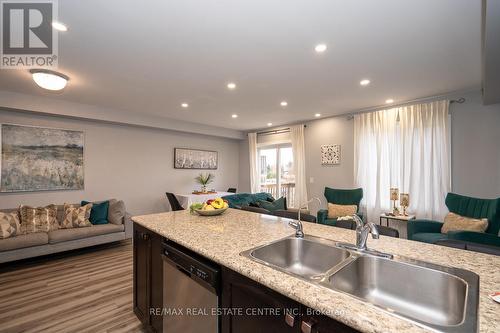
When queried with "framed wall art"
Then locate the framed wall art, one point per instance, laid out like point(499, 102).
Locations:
point(330, 154)
point(185, 158)
point(40, 159)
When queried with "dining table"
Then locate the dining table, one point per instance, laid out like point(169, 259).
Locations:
point(188, 199)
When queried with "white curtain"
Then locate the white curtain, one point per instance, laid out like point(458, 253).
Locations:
point(407, 148)
point(299, 164)
point(254, 163)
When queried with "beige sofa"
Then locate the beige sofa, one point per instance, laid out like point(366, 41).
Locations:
point(42, 243)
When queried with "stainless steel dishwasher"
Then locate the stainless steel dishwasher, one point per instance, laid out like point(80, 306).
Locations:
point(191, 286)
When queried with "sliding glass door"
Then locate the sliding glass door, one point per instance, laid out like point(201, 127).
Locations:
point(277, 172)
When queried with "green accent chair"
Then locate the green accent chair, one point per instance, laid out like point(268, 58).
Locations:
point(430, 231)
point(340, 197)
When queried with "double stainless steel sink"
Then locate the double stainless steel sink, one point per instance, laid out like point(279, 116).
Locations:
point(441, 298)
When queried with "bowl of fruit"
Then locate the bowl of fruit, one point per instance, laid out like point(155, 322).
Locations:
point(210, 208)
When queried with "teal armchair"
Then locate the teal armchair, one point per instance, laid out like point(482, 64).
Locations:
point(430, 231)
point(340, 197)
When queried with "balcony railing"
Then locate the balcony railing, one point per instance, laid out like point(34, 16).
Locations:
point(287, 190)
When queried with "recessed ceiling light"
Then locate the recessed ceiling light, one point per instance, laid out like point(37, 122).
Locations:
point(234, 116)
point(49, 80)
point(185, 105)
point(231, 85)
point(364, 82)
point(389, 101)
point(59, 26)
point(284, 103)
point(320, 48)
point(269, 124)
point(317, 115)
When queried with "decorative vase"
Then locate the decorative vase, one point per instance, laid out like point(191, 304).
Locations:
point(204, 189)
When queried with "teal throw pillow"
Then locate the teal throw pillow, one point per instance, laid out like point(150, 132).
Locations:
point(99, 212)
point(278, 204)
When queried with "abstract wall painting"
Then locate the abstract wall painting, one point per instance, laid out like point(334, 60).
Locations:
point(195, 159)
point(41, 159)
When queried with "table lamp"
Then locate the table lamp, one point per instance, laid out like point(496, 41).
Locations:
point(404, 201)
point(394, 198)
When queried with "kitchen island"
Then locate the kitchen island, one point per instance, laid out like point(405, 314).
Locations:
point(221, 239)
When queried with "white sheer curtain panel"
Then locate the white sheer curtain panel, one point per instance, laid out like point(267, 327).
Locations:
point(299, 164)
point(254, 163)
point(407, 148)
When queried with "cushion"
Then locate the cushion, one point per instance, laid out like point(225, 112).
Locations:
point(99, 212)
point(244, 199)
point(454, 222)
point(63, 235)
point(278, 204)
point(429, 237)
point(21, 241)
point(116, 211)
point(9, 224)
point(76, 217)
point(38, 219)
point(336, 211)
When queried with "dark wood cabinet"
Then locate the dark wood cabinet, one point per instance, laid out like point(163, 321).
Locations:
point(148, 277)
point(258, 309)
point(255, 308)
point(313, 322)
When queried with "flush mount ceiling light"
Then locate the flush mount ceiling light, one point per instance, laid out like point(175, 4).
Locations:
point(317, 115)
point(320, 48)
point(231, 86)
point(234, 116)
point(48, 79)
point(185, 105)
point(284, 103)
point(364, 82)
point(59, 26)
point(389, 101)
point(269, 124)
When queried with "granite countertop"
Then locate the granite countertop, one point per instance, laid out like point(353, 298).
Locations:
point(222, 238)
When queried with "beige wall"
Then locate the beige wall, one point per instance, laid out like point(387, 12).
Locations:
point(475, 149)
point(131, 163)
point(337, 130)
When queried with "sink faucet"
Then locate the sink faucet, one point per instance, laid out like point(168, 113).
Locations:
point(299, 231)
point(362, 231)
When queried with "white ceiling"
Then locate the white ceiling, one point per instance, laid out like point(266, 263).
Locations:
point(150, 56)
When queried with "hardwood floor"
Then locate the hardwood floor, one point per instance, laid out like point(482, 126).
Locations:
point(77, 292)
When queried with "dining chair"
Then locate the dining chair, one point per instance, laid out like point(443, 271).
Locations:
point(231, 190)
point(174, 203)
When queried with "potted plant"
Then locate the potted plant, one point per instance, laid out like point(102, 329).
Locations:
point(204, 179)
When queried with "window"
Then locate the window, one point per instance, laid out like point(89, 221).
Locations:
point(276, 171)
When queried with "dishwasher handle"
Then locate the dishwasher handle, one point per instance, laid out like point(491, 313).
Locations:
point(179, 267)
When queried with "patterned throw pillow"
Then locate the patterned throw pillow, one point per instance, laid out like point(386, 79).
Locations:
point(454, 222)
point(38, 219)
point(76, 216)
point(335, 211)
point(9, 224)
